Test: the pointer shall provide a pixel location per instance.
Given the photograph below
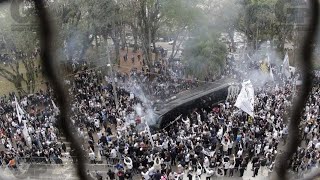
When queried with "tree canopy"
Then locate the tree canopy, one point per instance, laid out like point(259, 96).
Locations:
point(84, 27)
point(205, 55)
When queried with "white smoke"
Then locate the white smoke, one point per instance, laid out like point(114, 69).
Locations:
point(138, 109)
point(145, 109)
point(248, 67)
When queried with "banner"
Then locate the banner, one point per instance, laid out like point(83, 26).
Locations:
point(245, 100)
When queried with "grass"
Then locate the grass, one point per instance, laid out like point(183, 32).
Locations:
point(6, 86)
point(125, 66)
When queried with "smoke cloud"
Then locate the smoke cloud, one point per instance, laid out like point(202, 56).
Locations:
point(144, 110)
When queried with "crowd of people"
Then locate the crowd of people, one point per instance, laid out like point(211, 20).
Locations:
point(93, 111)
point(220, 140)
point(223, 140)
point(42, 141)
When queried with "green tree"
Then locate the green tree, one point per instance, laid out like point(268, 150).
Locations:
point(149, 17)
point(76, 30)
point(256, 21)
point(19, 50)
point(205, 55)
point(262, 20)
point(224, 17)
point(179, 19)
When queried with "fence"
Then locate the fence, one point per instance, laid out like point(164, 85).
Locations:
point(281, 166)
point(44, 168)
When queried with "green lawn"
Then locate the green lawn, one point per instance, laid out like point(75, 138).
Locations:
point(6, 86)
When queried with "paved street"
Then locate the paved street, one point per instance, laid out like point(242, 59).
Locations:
point(67, 172)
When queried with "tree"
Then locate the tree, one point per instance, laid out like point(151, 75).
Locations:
point(262, 20)
point(205, 55)
point(18, 47)
point(148, 22)
point(76, 31)
point(107, 22)
point(16, 51)
point(130, 13)
point(179, 18)
point(256, 21)
point(224, 17)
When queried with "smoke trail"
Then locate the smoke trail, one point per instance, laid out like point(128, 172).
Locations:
point(145, 109)
point(248, 67)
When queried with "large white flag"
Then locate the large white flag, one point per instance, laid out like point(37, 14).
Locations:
point(245, 100)
point(270, 71)
point(19, 111)
point(286, 66)
point(55, 108)
point(271, 74)
point(25, 130)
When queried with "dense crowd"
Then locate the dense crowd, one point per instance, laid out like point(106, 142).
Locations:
point(42, 143)
point(93, 110)
point(224, 140)
point(158, 85)
point(209, 141)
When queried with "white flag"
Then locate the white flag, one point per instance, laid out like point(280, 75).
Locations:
point(55, 107)
point(25, 130)
point(270, 68)
point(245, 100)
point(19, 111)
point(286, 67)
point(271, 74)
point(131, 96)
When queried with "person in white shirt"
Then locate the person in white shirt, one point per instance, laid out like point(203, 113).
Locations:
point(206, 162)
point(317, 146)
point(186, 123)
point(230, 146)
point(231, 168)
point(226, 164)
point(199, 118)
point(199, 171)
point(239, 153)
point(145, 175)
point(97, 124)
point(225, 146)
point(113, 153)
point(92, 157)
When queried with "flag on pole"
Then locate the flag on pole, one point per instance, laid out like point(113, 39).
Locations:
point(245, 100)
point(264, 67)
point(25, 131)
point(271, 74)
point(270, 68)
point(22, 112)
point(19, 111)
point(286, 66)
point(55, 107)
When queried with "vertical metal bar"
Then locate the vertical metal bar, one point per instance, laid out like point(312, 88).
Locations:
point(61, 95)
point(283, 159)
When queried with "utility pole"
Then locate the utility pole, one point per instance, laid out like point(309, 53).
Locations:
point(111, 74)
